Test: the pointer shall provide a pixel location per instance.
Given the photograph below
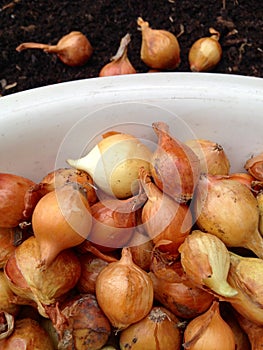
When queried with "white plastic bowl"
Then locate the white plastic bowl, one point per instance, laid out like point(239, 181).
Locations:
point(41, 128)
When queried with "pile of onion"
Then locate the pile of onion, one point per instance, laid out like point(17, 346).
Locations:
point(134, 248)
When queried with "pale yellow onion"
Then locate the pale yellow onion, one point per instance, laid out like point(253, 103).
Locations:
point(246, 276)
point(228, 210)
point(209, 331)
point(213, 159)
point(206, 261)
point(114, 163)
point(124, 291)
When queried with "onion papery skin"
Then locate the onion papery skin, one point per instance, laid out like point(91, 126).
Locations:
point(228, 210)
point(47, 285)
point(13, 189)
point(209, 331)
point(80, 323)
point(175, 168)
point(183, 298)
point(29, 335)
point(124, 292)
point(70, 225)
point(213, 159)
point(253, 331)
point(157, 331)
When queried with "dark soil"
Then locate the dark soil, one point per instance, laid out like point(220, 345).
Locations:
point(105, 22)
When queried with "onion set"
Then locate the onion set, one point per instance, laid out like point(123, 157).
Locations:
point(114, 163)
point(205, 53)
point(159, 48)
point(229, 210)
point(175, 168)
point(73, 49)
point(120, 63)
point(129, 292)
point(70, 224)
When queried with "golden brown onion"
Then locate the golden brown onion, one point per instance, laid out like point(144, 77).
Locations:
point(7, 237)
point(175, 168)
point(29, 335)
point(182, 298)
point(213, 159)
point(43, 286)
point(209, 331)
point(73, 49)
point(205, 53)
point(13, 189)
point(61, 220)
point(124, 291)
point(159, 330)
point(160, 48)
point(163, 218)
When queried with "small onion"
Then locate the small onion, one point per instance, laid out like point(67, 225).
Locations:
point(80, 323)
point(246, 276)
point(213, 159)
point(120, 63)
point(29, 335)
point(228, 210)
point(159, 330)
point(184, 299)
point(13, 189)
point(175, 168)
point(114, 163)
point(160, 48)
point(206, 261)
point(70, 224)
point(205, 53)
point(209, 331)
point(124, 292)
point(43, 286)
point(73, 49)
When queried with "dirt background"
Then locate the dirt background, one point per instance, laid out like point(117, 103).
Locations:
point(105, 22)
